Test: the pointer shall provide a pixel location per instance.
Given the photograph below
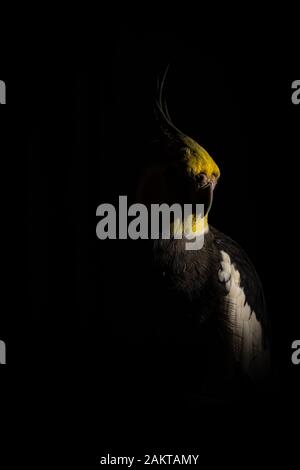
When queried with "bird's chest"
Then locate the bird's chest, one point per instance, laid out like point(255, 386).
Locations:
point(187, 287)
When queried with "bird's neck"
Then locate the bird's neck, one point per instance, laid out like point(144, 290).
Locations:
point(191, 225)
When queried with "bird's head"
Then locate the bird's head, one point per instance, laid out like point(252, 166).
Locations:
point(192, 172)
point(185, 172)
point(199, 169)
point(199, 165)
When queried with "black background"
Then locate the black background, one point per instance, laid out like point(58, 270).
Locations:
point(78, 124)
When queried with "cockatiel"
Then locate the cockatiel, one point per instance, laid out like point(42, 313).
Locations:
point(216, 287)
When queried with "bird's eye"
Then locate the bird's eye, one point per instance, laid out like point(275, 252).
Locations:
point(202, 179)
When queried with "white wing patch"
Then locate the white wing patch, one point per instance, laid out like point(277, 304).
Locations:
point(242, 326)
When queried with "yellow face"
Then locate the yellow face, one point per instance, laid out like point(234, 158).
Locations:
point(198, 161)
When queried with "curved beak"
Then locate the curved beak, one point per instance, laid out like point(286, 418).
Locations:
point(205, 196)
